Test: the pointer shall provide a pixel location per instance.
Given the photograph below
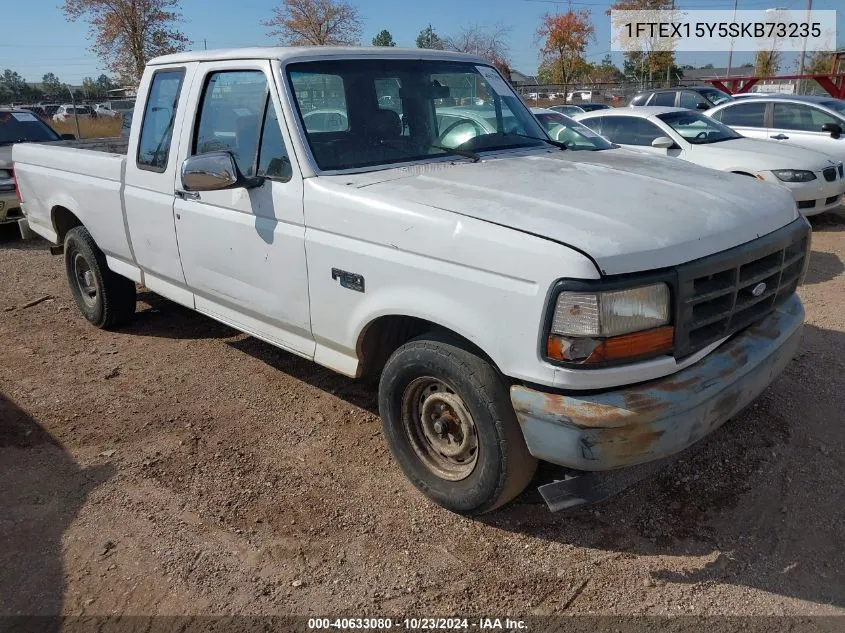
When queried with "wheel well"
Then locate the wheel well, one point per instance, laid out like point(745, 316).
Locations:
point(63, 221)
point(386, 334)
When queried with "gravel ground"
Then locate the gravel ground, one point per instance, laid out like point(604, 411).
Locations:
point(179, 467)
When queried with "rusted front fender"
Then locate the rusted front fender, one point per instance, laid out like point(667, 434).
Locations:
point(655, 419)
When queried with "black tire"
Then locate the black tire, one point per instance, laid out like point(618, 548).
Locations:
point(105, 298)
point(501, 467)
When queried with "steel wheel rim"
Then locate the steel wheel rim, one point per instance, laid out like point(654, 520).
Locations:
point(86, 280)
point(440, 429)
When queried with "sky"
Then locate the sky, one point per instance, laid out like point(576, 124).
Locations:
point(38, 39)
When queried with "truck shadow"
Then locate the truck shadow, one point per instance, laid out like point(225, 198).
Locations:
point(42, 490)
point(160, 317)
point(760, 502)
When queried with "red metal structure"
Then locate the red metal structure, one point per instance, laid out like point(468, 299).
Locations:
point(833, 82)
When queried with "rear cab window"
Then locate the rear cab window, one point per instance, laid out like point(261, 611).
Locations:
point(159, 118)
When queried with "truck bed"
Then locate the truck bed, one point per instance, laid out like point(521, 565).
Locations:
point(85, 176)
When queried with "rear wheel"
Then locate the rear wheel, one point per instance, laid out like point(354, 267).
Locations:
point(105, 298)
point(449, 423)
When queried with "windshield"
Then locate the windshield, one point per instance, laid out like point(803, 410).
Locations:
point(361, 113)
point(716, 96)
point(836, 106)
point(697, 128)
point(576, 136)
point(18, 127)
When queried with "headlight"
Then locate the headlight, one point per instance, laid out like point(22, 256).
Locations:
point(596, 327)
point(794, 175)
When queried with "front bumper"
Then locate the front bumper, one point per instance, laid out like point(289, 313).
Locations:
point(817, 196)
point(655, 419)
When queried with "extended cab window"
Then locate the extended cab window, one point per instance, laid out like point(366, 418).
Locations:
point(230, 117)
point(159, 115)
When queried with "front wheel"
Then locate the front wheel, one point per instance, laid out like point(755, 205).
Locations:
point(105, 298)
point(450, 424)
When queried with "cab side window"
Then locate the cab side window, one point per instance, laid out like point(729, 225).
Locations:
point(230, 117)
point(626, 130)
point(794, 116)
point(273, 159)
point(159, 116)
point(743, 114)
point(663, 99)
point(690, 100)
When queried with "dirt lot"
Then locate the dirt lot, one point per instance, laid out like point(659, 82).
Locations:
point(178, 466)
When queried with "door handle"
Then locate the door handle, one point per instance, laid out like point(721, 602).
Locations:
point(187, 195)
point(780, 137)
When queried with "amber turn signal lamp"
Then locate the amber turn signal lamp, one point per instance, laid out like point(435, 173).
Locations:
point(637, 344)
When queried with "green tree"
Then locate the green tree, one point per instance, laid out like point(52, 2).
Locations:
point(429, 39)
point(13, 87)
point(90, 88)
point(51, 85)
point(384, 38)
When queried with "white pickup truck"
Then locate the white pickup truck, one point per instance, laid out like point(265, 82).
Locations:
point(519, 300)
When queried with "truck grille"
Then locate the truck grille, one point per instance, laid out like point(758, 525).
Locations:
point(829, 173)
point(724, 293)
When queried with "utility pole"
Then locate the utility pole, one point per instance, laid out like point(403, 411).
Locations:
point(671, 50)
point(800, 85)
point(731, 50)
point(204, 44)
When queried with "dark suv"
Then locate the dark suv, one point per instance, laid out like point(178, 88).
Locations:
point(694, 98)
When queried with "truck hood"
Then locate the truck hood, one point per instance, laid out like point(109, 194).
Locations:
point(626, 211)
point(757, 154)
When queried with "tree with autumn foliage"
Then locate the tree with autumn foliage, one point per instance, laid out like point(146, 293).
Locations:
point(767, 63)
point(128, 33)
point(565, 37)
point(315, 23)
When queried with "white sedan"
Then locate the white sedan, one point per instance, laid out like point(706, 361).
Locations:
point(817, 181)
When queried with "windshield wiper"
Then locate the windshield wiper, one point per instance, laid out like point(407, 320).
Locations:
point(559, 144)
point(460, 152)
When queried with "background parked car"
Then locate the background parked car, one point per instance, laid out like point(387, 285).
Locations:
point(816, 181)
point(17, 126)
point(813, 122)
point(569, 110)
point(591, 106)
point(103, 109)
point(68, 112)
point(566, 130)
point(695, 98)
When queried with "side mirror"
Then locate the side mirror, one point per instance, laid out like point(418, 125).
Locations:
point(834, 129)
point(702, 105)
point(215, 171)
point(68, 137)
point(663, 142)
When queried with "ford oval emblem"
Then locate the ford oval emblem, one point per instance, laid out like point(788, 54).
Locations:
point(759, 289)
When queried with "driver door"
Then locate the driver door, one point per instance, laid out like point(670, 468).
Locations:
point(243, 250)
